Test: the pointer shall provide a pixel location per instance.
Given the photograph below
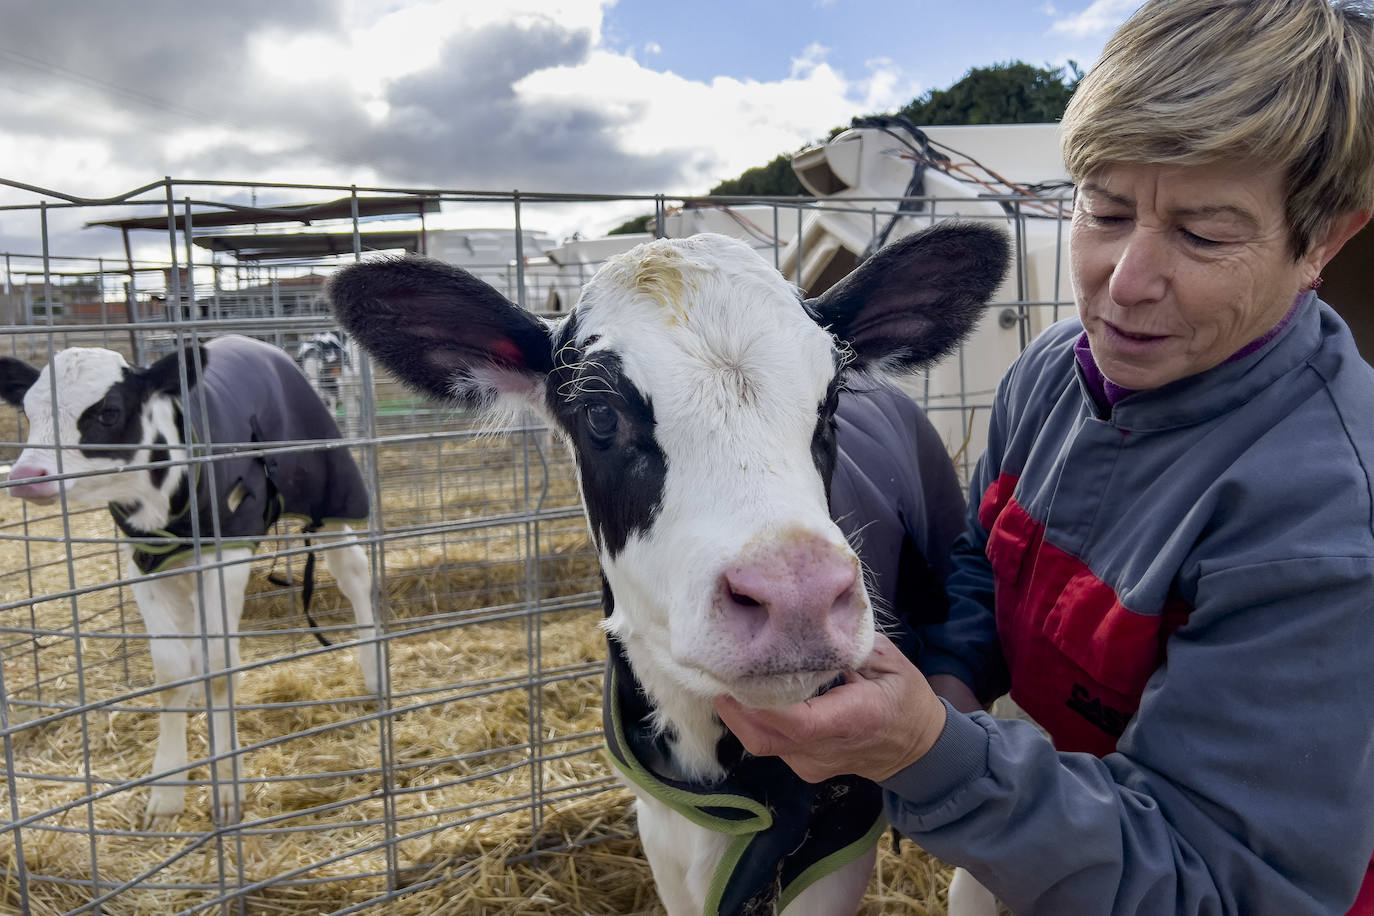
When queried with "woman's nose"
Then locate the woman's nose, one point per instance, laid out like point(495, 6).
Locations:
point(1142, 270)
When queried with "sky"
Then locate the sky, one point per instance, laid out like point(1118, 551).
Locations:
point(594, 96)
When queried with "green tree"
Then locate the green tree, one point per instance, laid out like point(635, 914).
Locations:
point(775, 178)
point(1010, 93)
point(637, 224)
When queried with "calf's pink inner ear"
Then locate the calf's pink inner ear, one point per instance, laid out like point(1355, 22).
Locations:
point(503, 379)
point(504, 351)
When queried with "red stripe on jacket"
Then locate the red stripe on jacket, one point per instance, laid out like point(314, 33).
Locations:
point(1078, 658)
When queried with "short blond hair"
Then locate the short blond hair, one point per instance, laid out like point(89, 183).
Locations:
point(1287, 83)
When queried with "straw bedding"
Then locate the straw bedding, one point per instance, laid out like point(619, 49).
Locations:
point(455, 741)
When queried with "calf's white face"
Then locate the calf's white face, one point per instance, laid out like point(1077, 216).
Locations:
point(105, 410)
point(692, 383)
point(697, 391)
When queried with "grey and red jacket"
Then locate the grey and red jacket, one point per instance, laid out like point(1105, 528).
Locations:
point(1180, 589)
point(251, 392)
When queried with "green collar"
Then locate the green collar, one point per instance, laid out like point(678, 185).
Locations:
point(786, 833)
point(154, 551)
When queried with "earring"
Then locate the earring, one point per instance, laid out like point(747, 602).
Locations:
point(1317, 283)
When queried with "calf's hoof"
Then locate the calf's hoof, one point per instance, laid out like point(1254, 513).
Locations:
point(367, 661)
point(165, 804)
point(228, 807)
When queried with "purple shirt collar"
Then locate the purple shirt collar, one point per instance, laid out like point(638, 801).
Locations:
point(1107, 393)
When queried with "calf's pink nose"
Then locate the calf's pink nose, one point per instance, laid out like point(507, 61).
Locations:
point(799, 586)
point(38, 489)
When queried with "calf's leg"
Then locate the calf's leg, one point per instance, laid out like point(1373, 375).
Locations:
point(348, 565)
point(969, 898)
point(222, 590)
point(165, 607)
point(838, 892)
point(684, 856)
point(167, 797)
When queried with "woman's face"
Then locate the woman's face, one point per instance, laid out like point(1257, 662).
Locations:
point(1175, 268)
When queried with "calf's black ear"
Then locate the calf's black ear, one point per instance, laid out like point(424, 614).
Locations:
point(917, 298)
point(441, 330)
point(164, 376)
point(16, 378)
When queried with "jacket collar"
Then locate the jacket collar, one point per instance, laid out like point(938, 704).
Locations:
point(1222, 388)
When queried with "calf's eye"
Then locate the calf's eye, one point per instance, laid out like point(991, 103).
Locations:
point(110, 416)
point(601, 423)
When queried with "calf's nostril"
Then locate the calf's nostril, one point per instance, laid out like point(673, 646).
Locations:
point(744, 600)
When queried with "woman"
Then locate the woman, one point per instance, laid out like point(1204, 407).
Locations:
point(1169, 553)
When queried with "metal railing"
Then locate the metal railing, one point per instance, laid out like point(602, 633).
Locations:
point(484, 581)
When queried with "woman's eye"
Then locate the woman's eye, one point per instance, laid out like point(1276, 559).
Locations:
point(601, 422)
point(1199, 240)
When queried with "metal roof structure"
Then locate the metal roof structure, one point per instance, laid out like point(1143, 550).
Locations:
point(305, 245)
point(295, 213)
point(287, 246)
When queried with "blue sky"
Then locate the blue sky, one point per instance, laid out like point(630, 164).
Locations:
point(935, 42)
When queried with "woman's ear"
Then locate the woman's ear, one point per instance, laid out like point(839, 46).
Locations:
point(1341, 230)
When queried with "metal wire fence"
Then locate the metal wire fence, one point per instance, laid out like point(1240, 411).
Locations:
point(483, 578)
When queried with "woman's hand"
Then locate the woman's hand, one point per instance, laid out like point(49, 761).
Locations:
point(883, 718)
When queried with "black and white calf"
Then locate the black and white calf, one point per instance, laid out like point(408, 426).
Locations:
point(326, 361)
point(699, 395)
point(111, 417)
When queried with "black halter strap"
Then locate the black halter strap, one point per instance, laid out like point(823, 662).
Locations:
point(271, 511)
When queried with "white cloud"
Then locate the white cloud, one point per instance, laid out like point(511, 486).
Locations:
point(1100, 17)
point(888, 87)
point(382, 41)
point(718, 128)
point(438, 93)
point(811, 57)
